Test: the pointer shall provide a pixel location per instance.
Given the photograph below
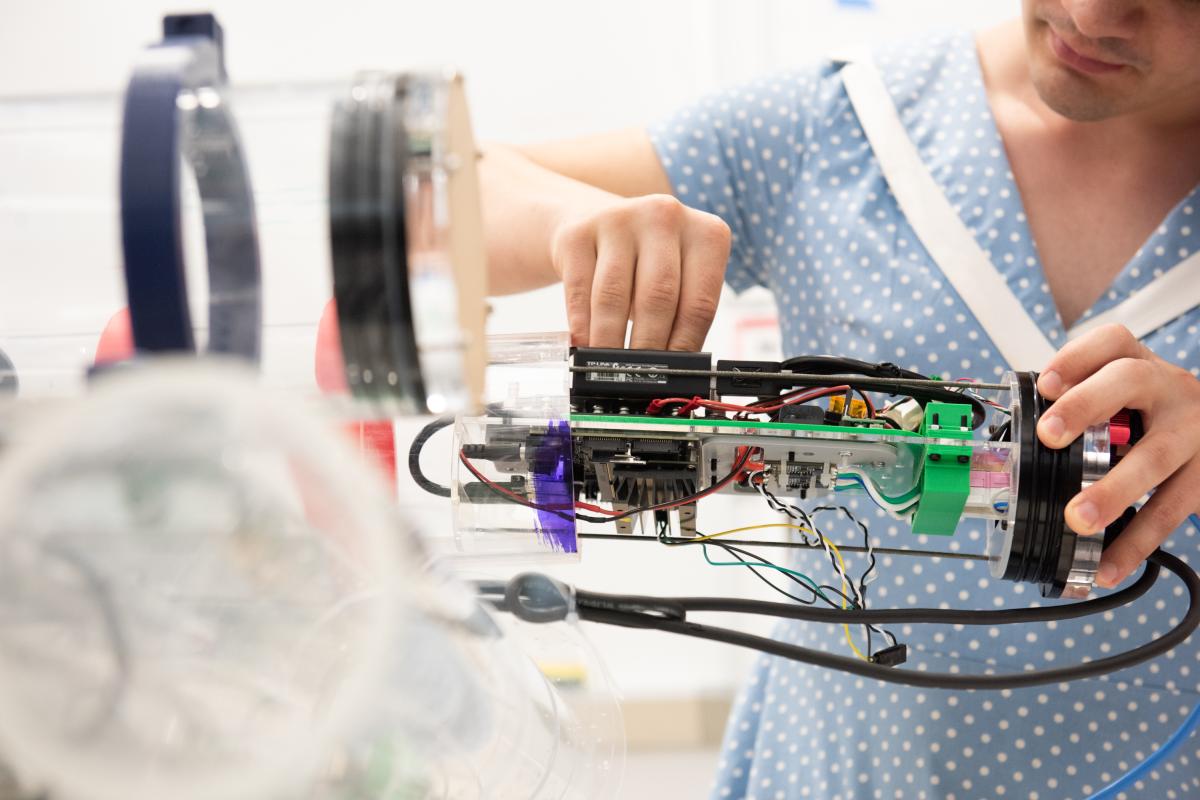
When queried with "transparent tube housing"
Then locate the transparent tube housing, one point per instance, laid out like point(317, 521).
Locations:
point(64, 304)
point(205, 595)
point(512, 484)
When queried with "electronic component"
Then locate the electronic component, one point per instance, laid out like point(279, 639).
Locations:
point(892, 656)
point(606, 382)
point(654, 432)
point(837, 407)
point(906, 413)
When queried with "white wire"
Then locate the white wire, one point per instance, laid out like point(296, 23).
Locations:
point(895, 509)
point(782, 507)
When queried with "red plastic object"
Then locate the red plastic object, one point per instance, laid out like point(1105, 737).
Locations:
point(116, 340)
point(1119, 431)
point(376, 438)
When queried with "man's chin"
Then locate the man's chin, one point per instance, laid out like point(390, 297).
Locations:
point(1072, 97)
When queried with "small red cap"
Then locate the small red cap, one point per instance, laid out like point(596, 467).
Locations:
point(1118, 429)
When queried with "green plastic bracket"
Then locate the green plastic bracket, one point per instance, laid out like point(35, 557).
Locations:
point(945, 469)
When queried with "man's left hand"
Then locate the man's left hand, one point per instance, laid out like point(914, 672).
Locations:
point(1093, 378)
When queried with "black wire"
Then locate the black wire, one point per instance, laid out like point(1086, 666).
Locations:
point(729, 551)
point(742, 555)
point(862, 579)
point(608, 609)
point(831, 365)
point(778, 505)
point(664, 528)
point(786, 508)
point(414, 456)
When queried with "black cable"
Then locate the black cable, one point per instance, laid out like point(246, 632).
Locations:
point(414, 456)
point(831, 365)
point(609, 609)
point(922, 616)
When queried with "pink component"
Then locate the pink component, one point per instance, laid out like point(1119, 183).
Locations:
point(989, 480)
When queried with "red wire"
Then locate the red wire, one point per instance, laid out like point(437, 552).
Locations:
point(800, 396)
point(743, 455)
point(525, 501)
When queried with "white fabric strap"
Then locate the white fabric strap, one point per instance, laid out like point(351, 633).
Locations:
point(953, 248)
point(1154, 305)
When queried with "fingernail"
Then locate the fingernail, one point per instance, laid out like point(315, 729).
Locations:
point(1086, 514)
point(1107, 576)
point(1050, 383)
point(1051, 428)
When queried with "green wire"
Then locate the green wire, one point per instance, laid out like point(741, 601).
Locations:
point(899, 501)
point(800, 575)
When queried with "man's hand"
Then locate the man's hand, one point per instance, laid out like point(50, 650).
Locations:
point(648, 259)
point(1093, 378)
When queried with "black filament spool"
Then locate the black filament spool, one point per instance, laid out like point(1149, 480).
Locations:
point(1042, 549)
point(369, 244)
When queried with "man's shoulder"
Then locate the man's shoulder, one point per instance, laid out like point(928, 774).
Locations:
point(914, 68)
point(938, 64)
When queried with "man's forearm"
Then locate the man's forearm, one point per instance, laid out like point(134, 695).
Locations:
point(523, 204)
point(597, 214)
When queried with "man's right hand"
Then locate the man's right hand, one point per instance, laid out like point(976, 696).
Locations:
point(597, 214)
point(650, 260)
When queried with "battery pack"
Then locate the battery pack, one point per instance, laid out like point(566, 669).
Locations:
point(610, 383)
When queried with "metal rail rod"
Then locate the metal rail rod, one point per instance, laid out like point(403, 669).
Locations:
point(797, 377)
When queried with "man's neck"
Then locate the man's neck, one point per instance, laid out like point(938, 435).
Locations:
point(1093, 192)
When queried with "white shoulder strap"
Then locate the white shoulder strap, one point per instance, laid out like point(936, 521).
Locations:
point(1154, 305)
point(965, 264)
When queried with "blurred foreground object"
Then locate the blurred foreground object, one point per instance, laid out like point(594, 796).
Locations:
point(204, 593)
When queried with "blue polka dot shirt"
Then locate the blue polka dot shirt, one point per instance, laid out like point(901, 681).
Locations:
point(784, 161)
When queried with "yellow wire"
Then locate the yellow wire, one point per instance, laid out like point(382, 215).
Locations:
point(832, 547)
point(752, 528)
point(845, 628)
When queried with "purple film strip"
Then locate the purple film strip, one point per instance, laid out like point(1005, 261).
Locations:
point(554, 488)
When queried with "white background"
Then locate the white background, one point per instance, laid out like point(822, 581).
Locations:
point(535, 70)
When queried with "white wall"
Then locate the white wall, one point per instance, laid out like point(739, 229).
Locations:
point(536, 69)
